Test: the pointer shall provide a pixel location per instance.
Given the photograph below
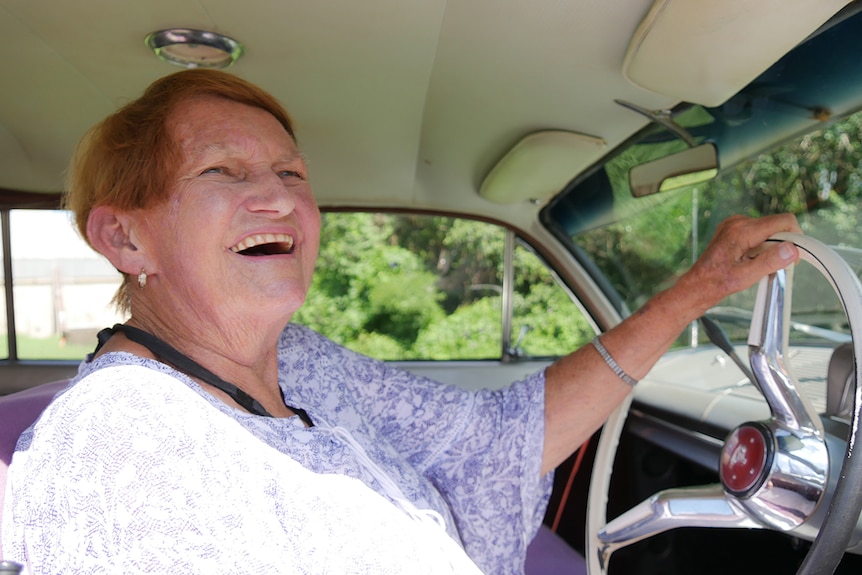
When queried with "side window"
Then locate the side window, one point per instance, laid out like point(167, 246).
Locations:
point(62, 289)
point(415, 287)
point(393, 286)
point(546, 321)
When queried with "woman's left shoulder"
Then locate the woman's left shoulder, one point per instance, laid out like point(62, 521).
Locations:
point(297, 337)
point(299, 341)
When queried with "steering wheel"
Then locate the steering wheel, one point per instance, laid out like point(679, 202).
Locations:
point(785, 473)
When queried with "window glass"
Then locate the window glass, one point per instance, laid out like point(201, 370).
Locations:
point(393, 286)
point(414, 287)
point(814, 176)
point(401, 287)
point(546, 321)
point(62, 289)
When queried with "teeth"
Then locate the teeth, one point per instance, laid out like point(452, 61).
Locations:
point(261, 239)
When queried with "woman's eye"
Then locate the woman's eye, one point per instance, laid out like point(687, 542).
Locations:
point(291, 174)
point(215, 170)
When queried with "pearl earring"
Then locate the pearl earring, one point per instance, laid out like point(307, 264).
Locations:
point(142, 279)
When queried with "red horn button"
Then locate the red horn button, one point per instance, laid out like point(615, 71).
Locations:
point(744, 459)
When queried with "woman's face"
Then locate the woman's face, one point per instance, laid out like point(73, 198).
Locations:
point(240, 232)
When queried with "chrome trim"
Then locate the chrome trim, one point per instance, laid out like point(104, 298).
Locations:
point(161, 43)
point(508, 350)
point(702, 506)
point(800, 470)
point(794, 483)
point(767, 347)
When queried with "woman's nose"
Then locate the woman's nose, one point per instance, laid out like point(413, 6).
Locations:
point(269, 193)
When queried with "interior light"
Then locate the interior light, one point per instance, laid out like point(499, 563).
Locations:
point(194, 48)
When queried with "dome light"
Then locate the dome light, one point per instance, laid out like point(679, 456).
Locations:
point(194, 48)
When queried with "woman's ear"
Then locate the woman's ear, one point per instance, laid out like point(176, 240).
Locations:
point(110, 233)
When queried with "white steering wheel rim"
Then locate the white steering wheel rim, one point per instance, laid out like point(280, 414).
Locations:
point(846, 284)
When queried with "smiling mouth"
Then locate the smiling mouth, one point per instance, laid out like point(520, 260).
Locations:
point(264, 245)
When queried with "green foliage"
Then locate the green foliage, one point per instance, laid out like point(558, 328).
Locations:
point(402, 287)
point(554, 325)
point(379, 346)
point(642, 254)
point(402, 300)
point(365, 282)
point(392, 285)
point(471, 332)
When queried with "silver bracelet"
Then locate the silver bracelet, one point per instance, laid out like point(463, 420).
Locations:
point(615, 367)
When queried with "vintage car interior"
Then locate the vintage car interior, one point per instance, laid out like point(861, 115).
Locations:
point(592, 148)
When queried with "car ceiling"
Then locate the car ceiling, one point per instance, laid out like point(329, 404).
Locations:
point(396, 104)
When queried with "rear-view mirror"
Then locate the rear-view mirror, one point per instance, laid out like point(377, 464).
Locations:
point(685, 168)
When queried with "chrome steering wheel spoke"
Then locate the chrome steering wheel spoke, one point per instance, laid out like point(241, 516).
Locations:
point(702, 506)
point(767, 348)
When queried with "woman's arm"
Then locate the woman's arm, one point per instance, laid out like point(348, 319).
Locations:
point(581, 390)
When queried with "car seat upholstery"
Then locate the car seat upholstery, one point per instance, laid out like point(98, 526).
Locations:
point(548, 553)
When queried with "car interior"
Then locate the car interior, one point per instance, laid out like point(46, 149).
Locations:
point(567, 160)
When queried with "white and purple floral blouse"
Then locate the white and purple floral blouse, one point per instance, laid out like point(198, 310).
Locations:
point(127, 471)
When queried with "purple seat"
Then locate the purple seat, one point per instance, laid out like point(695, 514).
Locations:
point(17, 412)
point(548, 554)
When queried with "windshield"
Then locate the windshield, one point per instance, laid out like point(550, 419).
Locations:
point(805, 104)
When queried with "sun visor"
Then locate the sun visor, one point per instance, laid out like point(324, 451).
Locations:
point(540, 165)
point(704, 51)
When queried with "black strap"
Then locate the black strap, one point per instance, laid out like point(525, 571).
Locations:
point(189, 366)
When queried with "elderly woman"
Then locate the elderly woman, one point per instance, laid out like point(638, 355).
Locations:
point(207, 434)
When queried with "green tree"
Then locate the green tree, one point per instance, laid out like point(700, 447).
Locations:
point(364, 283)
point(392, 285)
point(473, 331)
